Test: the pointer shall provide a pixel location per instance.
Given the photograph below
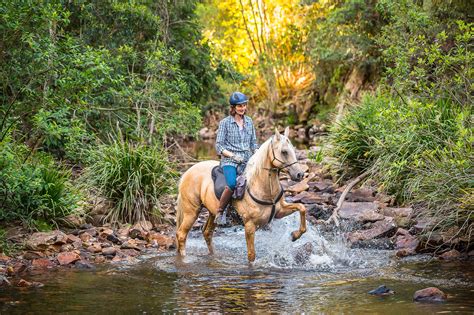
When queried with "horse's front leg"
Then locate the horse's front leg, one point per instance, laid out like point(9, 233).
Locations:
point(289, 208)
point(250, 238)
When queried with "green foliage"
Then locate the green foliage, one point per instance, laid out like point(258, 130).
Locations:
point(33, 189)
point(412, 149)
point(133, 177)
point(443, 188)
point(425, 56)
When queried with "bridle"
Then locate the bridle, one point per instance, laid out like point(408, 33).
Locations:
point(282, 191)
point(278, 169)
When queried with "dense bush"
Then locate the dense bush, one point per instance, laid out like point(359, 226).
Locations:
point(33, 189)
point(403, 144)
point(132, 176)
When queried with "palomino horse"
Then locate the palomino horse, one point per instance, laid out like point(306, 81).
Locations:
point(261, 203)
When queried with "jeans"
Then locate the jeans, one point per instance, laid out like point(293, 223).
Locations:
point(230, 173)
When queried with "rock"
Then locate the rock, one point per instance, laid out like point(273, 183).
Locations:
point(361, 195)
point(94, 248)
point(407, 245)
point(326, 186)
point(360, 211)
point(402, 216)
point(30, 255)
point(85, 237)
point(130, 244)
point(309, 197)
point(72, 221)
point(377, 243)
point(162, 240)
point(86, 226)
point(17, 268)
point(421, 226)
point(99, 259)
point(114, 239)
point(382, 291)
point(42, 240)
point(73, 238)
point(26, 284)
point(66, 258)
point(379, 229)
point(83, 264)
point(303, 252)
point(42, 263)
point(4, 258)
point(450, 255)
point(430, 294)
point(109, 251)
point(299, 187)
point(4, 281)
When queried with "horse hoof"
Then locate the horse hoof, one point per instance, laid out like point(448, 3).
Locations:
point(294, 236)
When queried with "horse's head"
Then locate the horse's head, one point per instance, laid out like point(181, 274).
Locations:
point(283, 155)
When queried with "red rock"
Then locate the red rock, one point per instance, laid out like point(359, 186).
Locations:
point(162, 240)
point(450, 255)
point(94, 248)
point(23, 283)
point(430, 294)
point(66, 258)
point(42, 263)
point(4, 258)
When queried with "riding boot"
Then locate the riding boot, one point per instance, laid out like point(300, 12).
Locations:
point(223, 202)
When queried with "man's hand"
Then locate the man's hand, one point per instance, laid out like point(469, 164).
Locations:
point(238, 159)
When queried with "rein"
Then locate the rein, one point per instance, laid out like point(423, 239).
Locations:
point(278, 169)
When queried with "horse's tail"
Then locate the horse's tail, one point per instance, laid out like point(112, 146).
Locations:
point(179, 211)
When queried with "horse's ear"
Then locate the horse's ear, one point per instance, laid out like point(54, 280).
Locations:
point(277, 134)
point(287, 132)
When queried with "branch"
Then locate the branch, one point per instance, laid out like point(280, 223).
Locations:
point(335, 213)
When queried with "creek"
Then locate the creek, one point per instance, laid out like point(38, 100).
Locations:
point(284, 279)
point(319, 273)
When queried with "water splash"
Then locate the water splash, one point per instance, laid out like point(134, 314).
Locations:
point(314, 251)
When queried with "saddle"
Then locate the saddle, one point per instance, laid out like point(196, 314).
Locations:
point(219, 183)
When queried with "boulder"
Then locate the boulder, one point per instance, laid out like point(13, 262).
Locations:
point(42, 240)
point(360, 211)
point(430, 294)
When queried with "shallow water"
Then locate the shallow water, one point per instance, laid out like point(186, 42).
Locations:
point(284, 279)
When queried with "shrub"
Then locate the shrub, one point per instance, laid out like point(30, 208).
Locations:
point(392, 138)
point(132, 176)
point(420, 152)
point(33, 188)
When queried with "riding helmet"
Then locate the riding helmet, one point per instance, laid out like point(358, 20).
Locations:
point(238, 98)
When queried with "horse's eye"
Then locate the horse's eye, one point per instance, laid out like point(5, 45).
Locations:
point(284, 152)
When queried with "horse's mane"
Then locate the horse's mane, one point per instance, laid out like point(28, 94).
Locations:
point(256, 162)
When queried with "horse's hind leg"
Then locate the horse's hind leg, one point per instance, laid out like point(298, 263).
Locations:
point(208, 231)
point(189, 218)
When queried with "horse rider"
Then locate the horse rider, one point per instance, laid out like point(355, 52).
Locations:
point(236, 142)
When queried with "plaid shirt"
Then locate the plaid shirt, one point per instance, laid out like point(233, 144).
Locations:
point(240, 142)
